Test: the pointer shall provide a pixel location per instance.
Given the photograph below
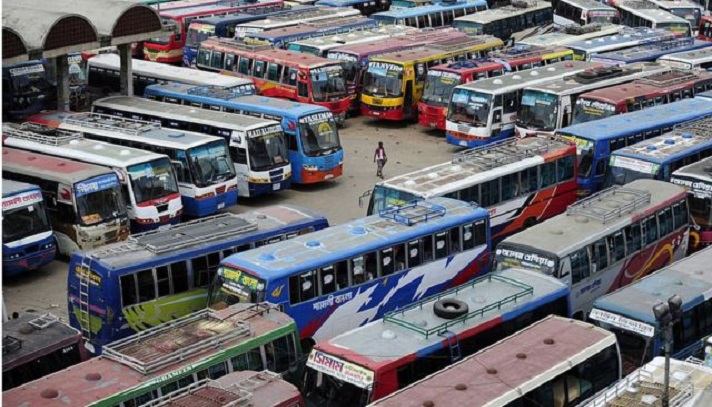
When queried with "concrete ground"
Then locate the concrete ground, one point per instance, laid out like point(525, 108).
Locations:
point(409, 147)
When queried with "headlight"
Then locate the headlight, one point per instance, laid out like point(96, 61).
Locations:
point(48, 246)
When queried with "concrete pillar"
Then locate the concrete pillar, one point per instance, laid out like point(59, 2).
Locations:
point(62, 77)
point(126, 72)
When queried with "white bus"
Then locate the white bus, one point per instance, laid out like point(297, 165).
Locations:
point(304, 16)
point(641, 13)
point(258, 146)
point(148, 180)
point(605, 241)
point(83, 200)
point(518, 20)
point(549, 106)
point(687, 9)
point(206, 175)
point(484, 111)
point(583, 12)
point(627, 38)
point(699, 58)
point(697, 179)
point(572, 33)
point(320, 46)
point(103, 73)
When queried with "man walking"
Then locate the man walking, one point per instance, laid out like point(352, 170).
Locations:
point(380, 159)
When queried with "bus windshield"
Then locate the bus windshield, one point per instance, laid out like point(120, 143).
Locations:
point(384, 197)
point(538, 110)
point(518, 257)
point(469, 27)
point(152, 180)
point(634, 349)
point(211, 163)
point(231, 286)
point(267, 151)
point(328, 83)
point(326, 390)
point(20, 223)
point(438, 87)
point(198, 33)
point(100, 206)
point(603, 17)
point(625, 169)
point(383, 79)
point(590, 110)
point(680, 29)
point(469, 107)
point(318, 134)
point(691, 14)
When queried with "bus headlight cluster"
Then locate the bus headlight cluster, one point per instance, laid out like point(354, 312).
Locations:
point(14, 256)
point(49, 246)
point(258, 180)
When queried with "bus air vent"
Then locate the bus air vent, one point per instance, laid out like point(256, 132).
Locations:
point(609, 204)
point(413, 213)
point(41, 134)
point(10, 344)
point(600, 74)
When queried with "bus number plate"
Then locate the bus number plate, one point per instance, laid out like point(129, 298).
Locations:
point(275, 187)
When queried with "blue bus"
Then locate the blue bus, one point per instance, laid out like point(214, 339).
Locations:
point(626, 38)
point(649, 52)
point(280, 38)
point(596, 140)
point(366, 7)
point(657, 157)
point(313, 138)
point(628, 311)
point(156, 277)
point(432, 16)
point(27, 239)
point(344, 276)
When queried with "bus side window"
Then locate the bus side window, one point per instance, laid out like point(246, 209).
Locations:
point(258, 70)
point(307, 286)
point(650, 228)
point(146, 285)
point(128, 290)
point(616, 246)
point(680, 214)
point(387, 262)
point(341, 270)
point(179, 277)
point(327, 279)
point(580, 267)
point(414, 254)
point(230, 62)
point(454, 240)
point(216, 60)
point(239, 155)
point(302, 90)
point(665, 221)
point(565, 168)
point(244, 66)
point(481, 233)
point(203, 58)
point(600, 255)
point(547, 174)
point(632, 237)
point(293, 142)
point(371, 266)
point(163, 281)
point(399, 255)
point(441, 245)
point(273, 71)
point(468, 237)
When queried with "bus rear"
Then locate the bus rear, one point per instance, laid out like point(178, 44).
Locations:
point(697, 179)
point(26, 89)
point(27, 239)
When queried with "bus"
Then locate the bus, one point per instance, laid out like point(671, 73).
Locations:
point(169, 49)
point(628, 311)
point(690, 10)
point(442, 79)
point(520, 182)
point(320, 46)
point(312, 135)
point(83, 200)
point(628, 37)
point(344, 276)
point(658, 157)
point(433, 16)
point(304, 15)
point(256, 389)
point(650, 52)
point(27, 239)
point(704, 31)
point(596, 140)
point(282, 37)
point(548, 106)
point(205, 174)
point(258, 147)
point(125, 288)
point(393, 82)
point(660, 89)
point(697, 179)
point(366, 7)
point(35, 345)
point(572, 33)
point(518, 20)
point(605, 241)
point(204, 345)
point(485, 111)
point(375, 360)
point(280, 73)
point(26, 89)
point(554, 362)
point(148, 181)
point(103, 72)
point(584, 12)
point(638, 13)
point(697, 59)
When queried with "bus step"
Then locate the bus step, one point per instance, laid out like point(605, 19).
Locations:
point(454, 345)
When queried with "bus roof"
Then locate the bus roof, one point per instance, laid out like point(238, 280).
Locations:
point(304, 60)
point(701, 171)
point(653, 13)
point(511, 367)
point(694, 56)
point(498, 296)
point(572, 34)
point(671, 4)
point(33, 335)
point(167, 72)
point(628, 36)
point(653, 117)
point(693, 135)
point(423, 10)
point(654, 50)
point(422, 36)
point(10, 188)
point(207, 8)
point(249, 15)
point(156, 353)
point(661, 83)
point(318, 26)
point(282, 259)
point(494, 14)
point(477, 166)
point(585, 223)
point(340, 3)
point(204, 234)
point(359, 36)
point(439, 47)
point(236, 122)
point(507, 83)
point(49, 167)
point(690, 278)
point(306, 12)
point(598, 77)
point(589, 4)
point(475, 65)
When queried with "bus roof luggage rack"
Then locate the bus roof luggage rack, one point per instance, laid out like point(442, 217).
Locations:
point(29, 132)
point(582, 29)
point(519, 52)
point(413, 213)
point(457, 43)
point(43, 321)
point(671, 78)
point(171, 342)
point(239, 44)
point(508, 149)
point(655, 45)
point(701, 127)
point(619, 201)
point(206, 389)
point(398, 317)
point(639, 4)
point(113, 123)
point(329, 22)
point(218, 92)
point(10, 344)
point(599, 74)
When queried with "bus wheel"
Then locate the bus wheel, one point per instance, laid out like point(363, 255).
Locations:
point(307, 345)
point(450, 308)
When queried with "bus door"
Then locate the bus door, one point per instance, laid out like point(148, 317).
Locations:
point(408, 99)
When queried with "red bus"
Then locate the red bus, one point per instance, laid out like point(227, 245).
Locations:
point(705, 29)
point(655, 90)
point(169, 49)
point(280, 73)
point(442, 79)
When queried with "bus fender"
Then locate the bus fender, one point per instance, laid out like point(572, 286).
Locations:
point(450, 308)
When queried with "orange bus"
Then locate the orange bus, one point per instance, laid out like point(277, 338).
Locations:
point(280, 73)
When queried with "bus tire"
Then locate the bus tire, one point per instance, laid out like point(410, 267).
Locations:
point(450, 308)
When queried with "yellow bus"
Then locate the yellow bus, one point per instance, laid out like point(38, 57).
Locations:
point(393, 82)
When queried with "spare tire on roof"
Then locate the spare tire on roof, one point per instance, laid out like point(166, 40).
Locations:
point(450, 308)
